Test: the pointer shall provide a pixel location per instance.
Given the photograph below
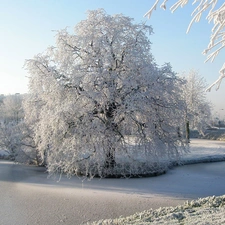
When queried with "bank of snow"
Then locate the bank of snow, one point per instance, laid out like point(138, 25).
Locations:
point(210, 210)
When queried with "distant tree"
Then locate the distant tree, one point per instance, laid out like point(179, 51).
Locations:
point(11, 108)
point(11, 113)
point(9, 138)
point(98, 103)
point(15, 136)
point(216, 14)
point(198, 109)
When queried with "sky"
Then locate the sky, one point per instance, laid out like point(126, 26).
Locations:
point(27, 28)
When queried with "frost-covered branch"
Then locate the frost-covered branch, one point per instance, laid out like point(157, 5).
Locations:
point(216, 15)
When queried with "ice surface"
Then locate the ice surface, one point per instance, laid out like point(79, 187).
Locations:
point(34, 199)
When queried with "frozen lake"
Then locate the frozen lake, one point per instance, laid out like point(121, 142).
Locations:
point(28, 197)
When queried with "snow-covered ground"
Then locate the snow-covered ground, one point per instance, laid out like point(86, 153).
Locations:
point(28, 197)
point(202, 150)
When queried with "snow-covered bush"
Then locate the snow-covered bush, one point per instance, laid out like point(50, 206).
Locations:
point(99, 104)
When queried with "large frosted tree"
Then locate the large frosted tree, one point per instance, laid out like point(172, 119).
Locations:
point(216, 15)
point(98, 103)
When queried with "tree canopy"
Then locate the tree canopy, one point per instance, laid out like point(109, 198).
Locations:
point(100, 105)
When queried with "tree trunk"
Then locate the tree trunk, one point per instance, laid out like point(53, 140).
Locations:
point(110, 159)
point(110, 127)
point(187, 132)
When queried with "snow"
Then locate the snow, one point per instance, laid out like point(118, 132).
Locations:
point(205, 151)
point(208, 210)
point(33, 199)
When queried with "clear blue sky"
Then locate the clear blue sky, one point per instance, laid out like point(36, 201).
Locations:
point(27, 26)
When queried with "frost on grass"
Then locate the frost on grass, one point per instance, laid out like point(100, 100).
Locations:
point(210, 210)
